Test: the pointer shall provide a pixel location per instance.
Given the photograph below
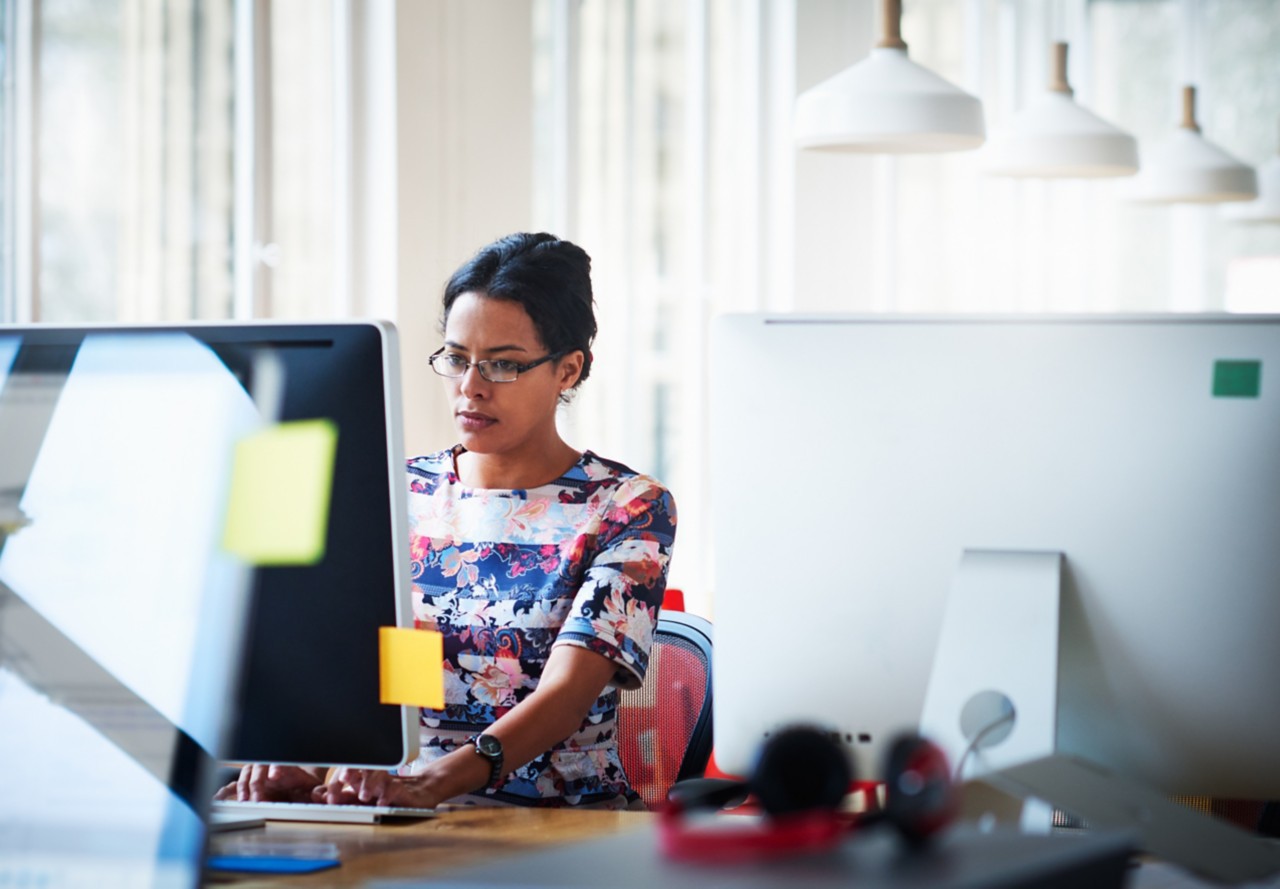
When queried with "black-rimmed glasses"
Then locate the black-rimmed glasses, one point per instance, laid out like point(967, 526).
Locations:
point(495, 370)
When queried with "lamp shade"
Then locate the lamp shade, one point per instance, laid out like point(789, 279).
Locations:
point(888, 104)
point(1187, 168)
point(1055, 137)
point(1266, 207)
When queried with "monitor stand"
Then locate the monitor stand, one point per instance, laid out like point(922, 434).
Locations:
point(996, 667)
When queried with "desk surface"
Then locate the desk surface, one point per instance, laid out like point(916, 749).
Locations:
point(466, 838)
point(420, 848)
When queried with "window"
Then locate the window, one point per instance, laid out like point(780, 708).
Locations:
point(17, 140)
point(141, 137)
point(147, 176)
point(667, 127)
point(133, 188)
point(301, 242)
point(657, 132)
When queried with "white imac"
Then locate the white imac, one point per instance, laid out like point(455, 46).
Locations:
point(855, 459)
point(302, 700)
point(309, 683)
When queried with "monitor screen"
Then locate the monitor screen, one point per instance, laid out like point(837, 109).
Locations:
point(855, 459)
point(311, 682)
point(121, 618)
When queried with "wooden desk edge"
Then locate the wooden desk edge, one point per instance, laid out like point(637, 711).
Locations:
point(419, 849)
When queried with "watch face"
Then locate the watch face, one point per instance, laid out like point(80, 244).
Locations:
point(489, 746)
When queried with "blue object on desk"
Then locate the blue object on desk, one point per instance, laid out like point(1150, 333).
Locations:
point(270, 864)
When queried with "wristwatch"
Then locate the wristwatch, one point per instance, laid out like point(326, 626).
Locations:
point(490, 748)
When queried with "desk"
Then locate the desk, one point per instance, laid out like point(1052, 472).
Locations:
point(422, 848)
point(477, 837)
point(540, 847)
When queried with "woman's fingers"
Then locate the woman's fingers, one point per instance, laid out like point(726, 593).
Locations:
point(351, 786)
point(270, 783)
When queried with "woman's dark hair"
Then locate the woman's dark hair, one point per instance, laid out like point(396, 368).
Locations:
point(549, 277)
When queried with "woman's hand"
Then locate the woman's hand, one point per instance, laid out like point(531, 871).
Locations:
point(461, 771)
point(355, 787)
point(272, 783)
point(374, 787)
point(571, 681)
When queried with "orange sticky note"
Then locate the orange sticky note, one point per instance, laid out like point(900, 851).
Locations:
point(412, 667)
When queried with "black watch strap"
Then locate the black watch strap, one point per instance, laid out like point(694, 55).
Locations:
point(490, 748)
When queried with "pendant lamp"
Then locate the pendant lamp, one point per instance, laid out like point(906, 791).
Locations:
point(1266, 207)
point(1054, 137)
point(888, 104)
point(1187, 168)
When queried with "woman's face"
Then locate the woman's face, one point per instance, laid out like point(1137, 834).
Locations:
point(503, 418)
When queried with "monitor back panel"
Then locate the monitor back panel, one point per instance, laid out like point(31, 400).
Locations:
point(856, 458)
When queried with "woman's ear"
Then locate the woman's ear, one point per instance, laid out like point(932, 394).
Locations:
point(570, 368)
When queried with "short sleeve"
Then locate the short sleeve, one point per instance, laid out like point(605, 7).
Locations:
point(616, 607)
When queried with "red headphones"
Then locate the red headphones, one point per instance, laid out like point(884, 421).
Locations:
point(800, 778)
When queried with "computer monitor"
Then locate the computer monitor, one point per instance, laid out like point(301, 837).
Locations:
point(310, 684)
point(311, 681)
point(121, 617)
point(856, 459)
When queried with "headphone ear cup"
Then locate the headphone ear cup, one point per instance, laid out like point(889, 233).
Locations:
point(801, 769)
point(920, 799)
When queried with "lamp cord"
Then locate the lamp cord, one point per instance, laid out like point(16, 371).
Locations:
point(977, 739)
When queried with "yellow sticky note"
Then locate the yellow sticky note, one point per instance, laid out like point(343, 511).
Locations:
point(412, 667)
point(278, 512)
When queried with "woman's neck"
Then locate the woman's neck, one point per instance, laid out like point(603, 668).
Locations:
point(506, 471)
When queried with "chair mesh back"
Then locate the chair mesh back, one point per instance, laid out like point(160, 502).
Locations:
point(656, 721)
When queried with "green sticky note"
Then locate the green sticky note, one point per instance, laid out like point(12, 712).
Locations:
point(1237, 379)
point(278, 512)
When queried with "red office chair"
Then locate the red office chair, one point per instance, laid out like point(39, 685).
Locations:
point(664, 727)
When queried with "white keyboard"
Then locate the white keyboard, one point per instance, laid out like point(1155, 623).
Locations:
point(345, 814)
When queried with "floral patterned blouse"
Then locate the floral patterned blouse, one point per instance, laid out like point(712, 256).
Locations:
point(506, 575)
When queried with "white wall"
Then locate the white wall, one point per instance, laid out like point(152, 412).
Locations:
point(464, 144)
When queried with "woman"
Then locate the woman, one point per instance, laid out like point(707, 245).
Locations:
point(543, 566)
